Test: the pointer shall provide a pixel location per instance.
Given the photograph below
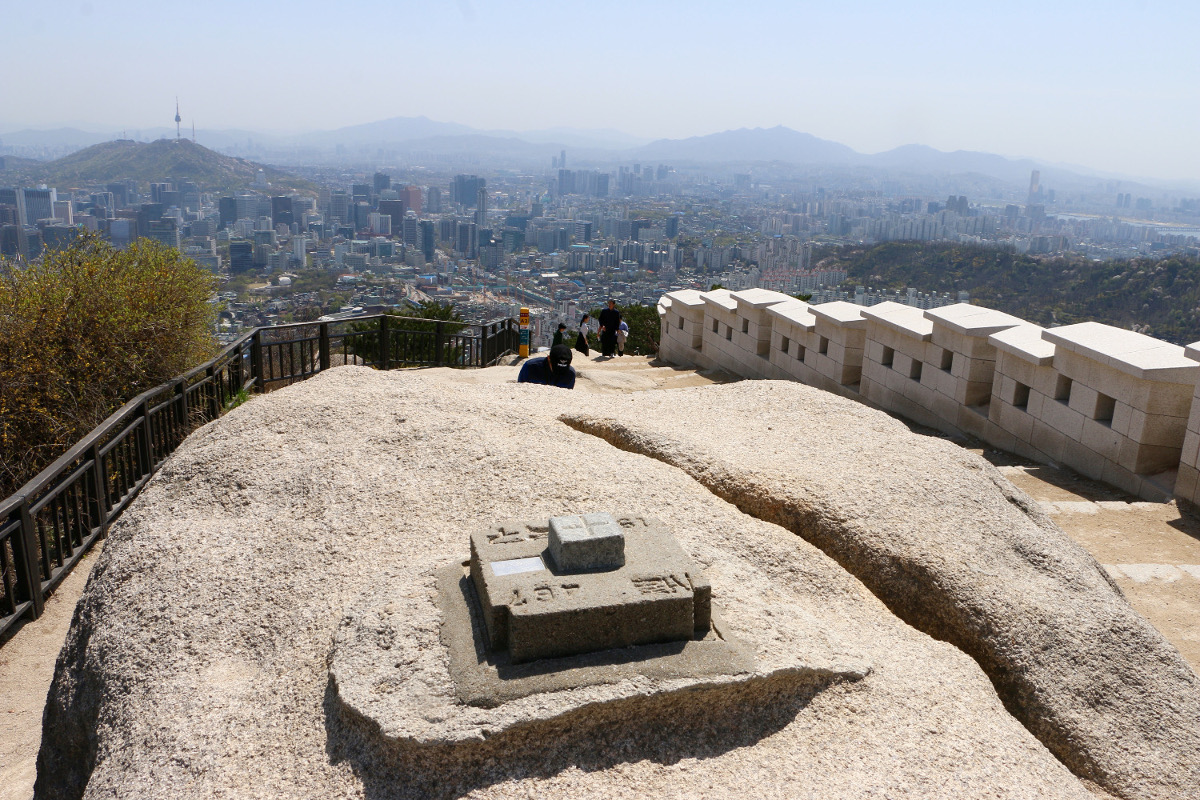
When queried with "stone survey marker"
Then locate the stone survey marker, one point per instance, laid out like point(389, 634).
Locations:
point(579, 585)
point(549, 618)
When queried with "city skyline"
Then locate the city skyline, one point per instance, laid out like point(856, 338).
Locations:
point(1103, 86)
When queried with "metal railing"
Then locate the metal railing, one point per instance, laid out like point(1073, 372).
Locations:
point(51, 521)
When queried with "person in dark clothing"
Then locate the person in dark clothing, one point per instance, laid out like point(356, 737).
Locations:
point(610, 321)
point(581, 343)
point(559, 334)
point(553, 369)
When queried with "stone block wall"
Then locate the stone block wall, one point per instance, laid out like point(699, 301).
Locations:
point(752, 330)
point(681, 322)
point(895, 374)
point(1122, 400)
point(839, 338)
point(1115, 405)
point(792, 328)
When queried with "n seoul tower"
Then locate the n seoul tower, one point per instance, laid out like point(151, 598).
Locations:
point(177, 119)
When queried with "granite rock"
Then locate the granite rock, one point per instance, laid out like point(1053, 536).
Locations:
point(198, 660)
point(951, 547)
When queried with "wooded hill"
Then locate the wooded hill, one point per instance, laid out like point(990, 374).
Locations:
point(125, 159)
point(1159, 297)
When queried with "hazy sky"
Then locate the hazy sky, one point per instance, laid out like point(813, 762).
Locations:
point(1109, 85)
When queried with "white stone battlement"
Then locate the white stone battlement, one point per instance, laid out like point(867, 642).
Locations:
point(1114, 405)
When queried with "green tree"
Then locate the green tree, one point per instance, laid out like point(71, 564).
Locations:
point(85, 329)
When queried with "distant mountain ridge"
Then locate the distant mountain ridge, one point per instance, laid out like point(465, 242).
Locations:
point(751, 144)
point(401, 137)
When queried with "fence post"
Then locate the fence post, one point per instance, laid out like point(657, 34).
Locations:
point(256, 359)
point(440, 344)
point(99, 489)
point(145, 441)
point(29, 564)
point(385, 343)
point(181, 409)
point(323, 347)
point(214, 392)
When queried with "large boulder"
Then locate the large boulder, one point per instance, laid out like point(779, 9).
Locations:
point(198, 662)
point(953, 549)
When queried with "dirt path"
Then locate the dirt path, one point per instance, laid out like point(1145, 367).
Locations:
point(26, 667)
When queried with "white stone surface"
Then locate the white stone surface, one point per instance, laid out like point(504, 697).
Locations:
point(1026, 343)
point(906, 320)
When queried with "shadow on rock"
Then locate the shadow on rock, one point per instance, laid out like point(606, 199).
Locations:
point(661, 728)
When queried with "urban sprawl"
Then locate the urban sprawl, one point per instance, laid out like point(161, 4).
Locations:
point(561, 241)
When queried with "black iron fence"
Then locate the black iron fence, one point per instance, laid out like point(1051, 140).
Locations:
point(47, 526)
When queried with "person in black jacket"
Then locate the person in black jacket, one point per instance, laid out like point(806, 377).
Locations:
point(559, 334)
point(553, 369)
point(610, 321)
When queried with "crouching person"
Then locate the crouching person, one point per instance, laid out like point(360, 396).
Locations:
point(553, 369)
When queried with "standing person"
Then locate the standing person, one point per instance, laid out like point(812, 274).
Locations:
point(559, 334)
point(581, 340)
point(622, 335)
point(610, 321)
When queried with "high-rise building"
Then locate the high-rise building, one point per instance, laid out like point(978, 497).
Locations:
point(481, 207)
point(362, 214)
point(39, 204)
point(382, 181)
point(339, 207)
point(566, 182)
point(466, 239)
point(15, 197)
point(412, 196)
point(434, 204)
point(465, 190)
point(396, 209)
point(241, 256)
point(380, 223)
point(64, 210)
point(163, 229)
point(281, 211)
point(412, 230)
point(428, 239)
point(226, 211)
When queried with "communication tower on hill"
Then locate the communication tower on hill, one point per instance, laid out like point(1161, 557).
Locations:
point(178, 119)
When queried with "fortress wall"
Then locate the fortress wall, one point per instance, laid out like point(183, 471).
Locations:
point(720, 321)
point(682, 329)
point(752, 331)
point(1112, 404)
point(839, 341)
point(792, 328)
point(895, 374)
point(1187, 485)
point(964, 363)
point(1024, 381)
point(1121, 399)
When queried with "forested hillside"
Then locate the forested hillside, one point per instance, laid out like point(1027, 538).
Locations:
point(1157, 297)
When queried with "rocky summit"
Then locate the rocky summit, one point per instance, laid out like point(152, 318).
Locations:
point(991, 656)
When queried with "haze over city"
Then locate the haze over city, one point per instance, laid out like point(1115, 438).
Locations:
point(1106, 86)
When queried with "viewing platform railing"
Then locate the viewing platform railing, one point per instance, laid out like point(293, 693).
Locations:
point(49, 523)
